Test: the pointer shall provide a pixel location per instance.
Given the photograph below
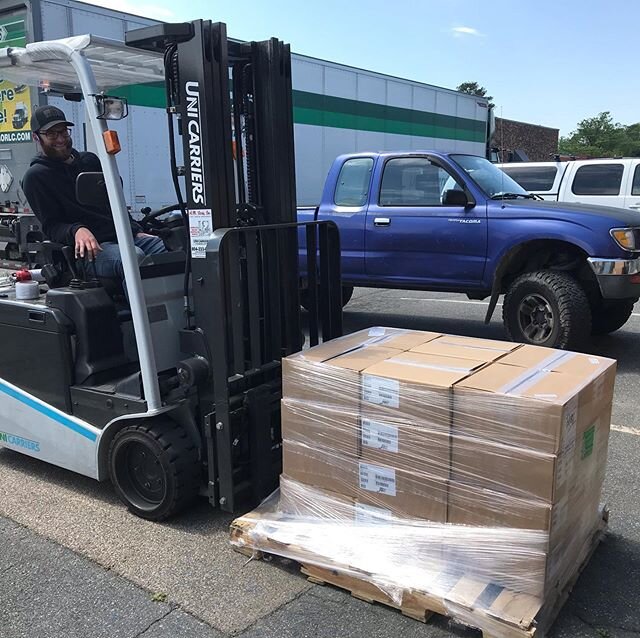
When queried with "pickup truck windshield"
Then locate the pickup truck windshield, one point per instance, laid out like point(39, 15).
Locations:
point(494, 182)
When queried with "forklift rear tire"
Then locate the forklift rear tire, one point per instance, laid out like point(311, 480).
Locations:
point(154, 469)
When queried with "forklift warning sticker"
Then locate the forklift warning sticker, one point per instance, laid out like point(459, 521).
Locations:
point(200, 231)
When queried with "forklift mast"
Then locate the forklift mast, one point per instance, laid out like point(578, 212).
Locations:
point(232, 102)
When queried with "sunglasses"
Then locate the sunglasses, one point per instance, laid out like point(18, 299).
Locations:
point(52, 135)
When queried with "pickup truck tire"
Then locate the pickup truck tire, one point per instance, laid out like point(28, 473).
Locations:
point(547, 308)
point(611, 317)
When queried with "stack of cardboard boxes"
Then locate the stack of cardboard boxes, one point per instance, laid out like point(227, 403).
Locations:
point(457, 431)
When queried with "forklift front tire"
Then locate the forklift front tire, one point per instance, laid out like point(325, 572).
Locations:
point(154, 469)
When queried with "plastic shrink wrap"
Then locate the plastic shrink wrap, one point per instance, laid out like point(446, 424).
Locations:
point(412, 460)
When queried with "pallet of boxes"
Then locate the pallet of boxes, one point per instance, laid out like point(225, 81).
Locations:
point(441, 474)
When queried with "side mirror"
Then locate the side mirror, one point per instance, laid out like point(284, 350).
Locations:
point(455, 197)
point(91, 190)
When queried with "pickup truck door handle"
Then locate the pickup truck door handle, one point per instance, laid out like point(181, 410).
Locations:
point(381, 221)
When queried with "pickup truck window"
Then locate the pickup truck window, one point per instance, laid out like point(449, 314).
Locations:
point(533, 178)
point(598, 179)
point(635, 187)
point(353, 182)
point(412, 181)
point(489, 177)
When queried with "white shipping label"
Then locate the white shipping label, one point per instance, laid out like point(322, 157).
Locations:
point(200, 230)
point(379, 436)
point(374, 478)
point(381, 391)
point(370, 515)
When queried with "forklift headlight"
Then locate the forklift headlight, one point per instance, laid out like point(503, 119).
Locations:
point(111, 108)
point(625, 238)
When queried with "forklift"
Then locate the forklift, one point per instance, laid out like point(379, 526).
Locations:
point(169, 383)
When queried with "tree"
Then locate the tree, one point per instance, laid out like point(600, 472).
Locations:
point(473, 88)
point(598, 136)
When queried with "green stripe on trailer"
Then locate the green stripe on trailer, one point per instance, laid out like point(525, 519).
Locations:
point(380, 125)
point(153, 95)
point(335, 112)
point(346, 107)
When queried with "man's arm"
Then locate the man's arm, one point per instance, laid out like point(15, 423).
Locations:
point(48, 211)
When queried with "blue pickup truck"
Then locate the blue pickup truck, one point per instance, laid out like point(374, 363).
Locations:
point(456, 223)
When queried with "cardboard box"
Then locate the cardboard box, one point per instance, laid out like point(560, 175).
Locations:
point(303, 501)
point(404, 494)
point(575, 490)
point(415, 386)
point(396, 338)
point(334, 382)
point(539, 409)
point(406, 411)
point(576, 363)
point(467, 348)
point(318, 467)
point(406, 444)
point(321, 426)
point(474, 505)
point(521, 472)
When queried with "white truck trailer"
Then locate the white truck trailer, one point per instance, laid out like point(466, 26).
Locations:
point(337, 109)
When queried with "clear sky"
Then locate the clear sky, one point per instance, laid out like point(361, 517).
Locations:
point(546, 62)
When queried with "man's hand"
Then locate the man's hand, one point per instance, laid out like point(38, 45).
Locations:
point(86, 244)
point(144, 235)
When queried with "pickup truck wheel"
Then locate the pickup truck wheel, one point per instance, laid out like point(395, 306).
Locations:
point(611, 317)
point(154, 469)
point(547, 308)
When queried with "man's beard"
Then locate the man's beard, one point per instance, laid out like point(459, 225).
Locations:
point(58, 153)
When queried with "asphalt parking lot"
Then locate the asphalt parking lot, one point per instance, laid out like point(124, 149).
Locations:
point(74, 563)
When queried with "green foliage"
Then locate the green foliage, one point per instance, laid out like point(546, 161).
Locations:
point(473, 88)
point(600, 136)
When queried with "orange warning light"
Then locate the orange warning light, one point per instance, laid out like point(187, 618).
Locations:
point(111, 142)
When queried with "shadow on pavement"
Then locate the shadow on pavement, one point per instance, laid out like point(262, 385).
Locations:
point(200, 519)
point(607, 593)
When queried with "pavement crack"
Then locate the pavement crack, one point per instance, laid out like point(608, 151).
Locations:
point(241, 632)
point(4, 570)
point(155, 622)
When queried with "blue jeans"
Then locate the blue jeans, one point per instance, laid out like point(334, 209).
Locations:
point(109, 263)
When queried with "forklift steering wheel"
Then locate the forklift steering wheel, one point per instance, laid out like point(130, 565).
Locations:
point(151, 217)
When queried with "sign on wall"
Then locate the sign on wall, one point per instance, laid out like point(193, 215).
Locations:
point(15, 99)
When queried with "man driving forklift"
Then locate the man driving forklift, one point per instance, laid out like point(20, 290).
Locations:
point(49, 185)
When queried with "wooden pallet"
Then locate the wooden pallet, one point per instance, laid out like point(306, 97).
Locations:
point(494, 610)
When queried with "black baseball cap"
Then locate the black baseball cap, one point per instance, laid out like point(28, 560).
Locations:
point(44, 117)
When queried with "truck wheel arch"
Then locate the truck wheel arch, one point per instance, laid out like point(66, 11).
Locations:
point(536, 254)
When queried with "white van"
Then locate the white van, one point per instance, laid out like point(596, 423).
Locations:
point(607, 182)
